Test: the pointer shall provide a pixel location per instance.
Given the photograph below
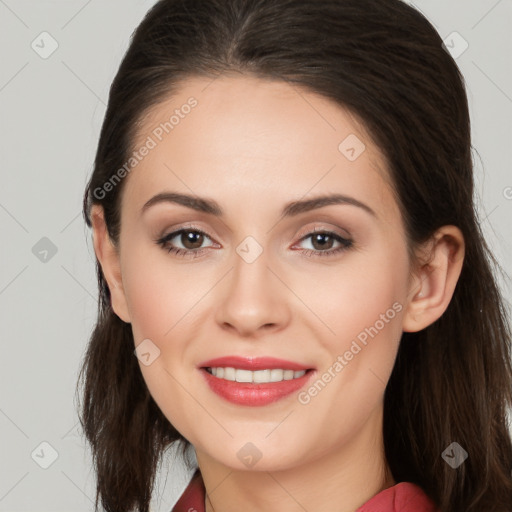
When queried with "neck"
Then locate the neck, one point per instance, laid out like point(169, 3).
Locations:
point(341, 480)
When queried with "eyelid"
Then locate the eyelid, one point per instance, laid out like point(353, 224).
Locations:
point(304, 232)
point(184, 227)
point(309, 230)
point(346, 242)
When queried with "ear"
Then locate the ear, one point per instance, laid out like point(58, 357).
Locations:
point(435, 280)
point(108, 256)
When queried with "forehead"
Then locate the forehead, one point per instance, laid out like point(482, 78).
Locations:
point(268, 139)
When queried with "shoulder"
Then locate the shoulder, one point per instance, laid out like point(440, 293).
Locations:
point(193, 496)
point(402, 497)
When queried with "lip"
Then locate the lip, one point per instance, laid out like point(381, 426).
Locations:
point(253, 363)
point(251, 394)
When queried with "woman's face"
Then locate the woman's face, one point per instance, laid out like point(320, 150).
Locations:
point(259, 283)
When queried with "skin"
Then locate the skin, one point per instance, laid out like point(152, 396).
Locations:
point(253, 146)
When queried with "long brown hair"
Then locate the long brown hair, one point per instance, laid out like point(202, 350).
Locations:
point(383, 61)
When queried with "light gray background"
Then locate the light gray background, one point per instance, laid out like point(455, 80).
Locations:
point(51, 112)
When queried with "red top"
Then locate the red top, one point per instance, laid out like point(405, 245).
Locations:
point(402, 497)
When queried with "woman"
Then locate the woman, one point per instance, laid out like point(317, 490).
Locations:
point(292, 276)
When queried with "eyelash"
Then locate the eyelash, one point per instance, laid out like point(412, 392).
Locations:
point(182, 253)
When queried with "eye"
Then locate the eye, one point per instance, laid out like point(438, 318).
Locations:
point(190, 238)
point(322, 242)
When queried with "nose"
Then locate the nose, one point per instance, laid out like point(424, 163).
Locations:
point(253, 300)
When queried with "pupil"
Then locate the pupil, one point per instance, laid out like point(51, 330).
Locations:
point(190, 240)
point(196, 240)
point(317, 239)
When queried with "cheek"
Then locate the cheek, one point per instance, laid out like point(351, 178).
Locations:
point(161, 299)
point(363, 308)
point(160, 294)
point(354, 296)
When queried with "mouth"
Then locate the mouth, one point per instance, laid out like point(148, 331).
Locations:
point(257, 377)
point(254, 381)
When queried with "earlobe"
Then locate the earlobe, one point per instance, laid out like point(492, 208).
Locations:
point(108, 257)
point(435, 280)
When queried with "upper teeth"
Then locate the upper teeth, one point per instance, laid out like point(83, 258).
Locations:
point(259, 376)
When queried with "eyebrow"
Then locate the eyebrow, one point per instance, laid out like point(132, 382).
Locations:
point(291, 209)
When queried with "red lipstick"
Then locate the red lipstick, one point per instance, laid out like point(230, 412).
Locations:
point(253, 363)
point(251, 393)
